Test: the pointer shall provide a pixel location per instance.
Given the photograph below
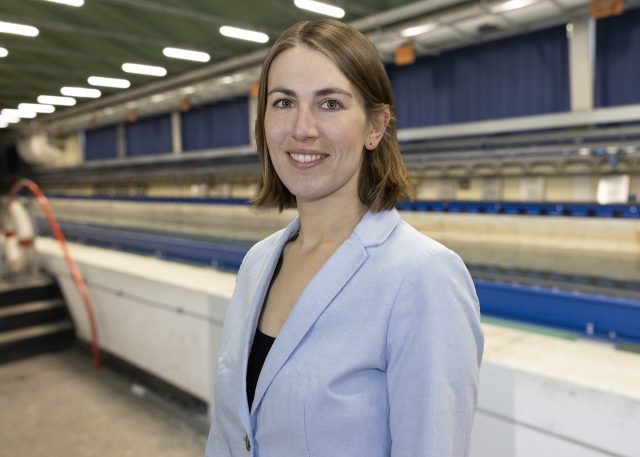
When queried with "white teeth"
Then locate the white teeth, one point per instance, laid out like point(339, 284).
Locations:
point(305, 157)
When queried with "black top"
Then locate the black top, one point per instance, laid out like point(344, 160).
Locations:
point(259, 349)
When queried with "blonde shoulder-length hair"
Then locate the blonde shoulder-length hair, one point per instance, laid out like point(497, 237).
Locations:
point(383, 176)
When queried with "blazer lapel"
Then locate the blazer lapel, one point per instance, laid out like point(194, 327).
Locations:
point(256, 300)
point(314, 299)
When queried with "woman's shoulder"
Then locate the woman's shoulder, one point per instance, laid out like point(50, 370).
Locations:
point(417, 246)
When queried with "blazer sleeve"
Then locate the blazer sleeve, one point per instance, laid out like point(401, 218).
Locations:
point(434, 349)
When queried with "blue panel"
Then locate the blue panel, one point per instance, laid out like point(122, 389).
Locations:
point(223, 124)
point(174, 248)
point(618, 60)
point(151, 135)
point(517, 76)
point(561, 309)
point(101, 143)
point(631, 211)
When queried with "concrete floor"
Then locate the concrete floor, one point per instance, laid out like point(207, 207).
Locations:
point(55, 405)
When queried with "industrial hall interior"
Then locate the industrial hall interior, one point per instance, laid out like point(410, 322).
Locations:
point(129, 165)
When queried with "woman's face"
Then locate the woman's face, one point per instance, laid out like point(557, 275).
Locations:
point(315, 126)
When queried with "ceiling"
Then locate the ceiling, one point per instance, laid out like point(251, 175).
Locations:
point(95, 39)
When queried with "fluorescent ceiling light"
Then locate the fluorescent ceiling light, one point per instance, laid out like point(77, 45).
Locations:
point(9, 119)
point(68, 2)
point(18, 113)
point(80, 92)
point(418, 30)
point(144, 69)
point(3, 52)
point(56, 100)
point(512, 5)
point(36, 107)
point(18, 29)
point(3, 125)
point(242, 34)
point(321, 8)
point(186, 54)
point(108, 82)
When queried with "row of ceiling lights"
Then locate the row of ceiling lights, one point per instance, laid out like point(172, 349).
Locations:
point(46, 102)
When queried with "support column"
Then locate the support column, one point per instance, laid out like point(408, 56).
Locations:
point(581, 34)
point(121, 138)
point(176, 132)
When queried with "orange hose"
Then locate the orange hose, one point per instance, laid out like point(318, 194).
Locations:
point(73, 268)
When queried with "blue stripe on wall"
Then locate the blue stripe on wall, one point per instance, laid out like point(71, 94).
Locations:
point(151, 135)
point(101, 143)
point(618, 60)
point(223, 124)
point(516, 76)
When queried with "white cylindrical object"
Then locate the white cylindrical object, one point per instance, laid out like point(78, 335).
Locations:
point(21, 221)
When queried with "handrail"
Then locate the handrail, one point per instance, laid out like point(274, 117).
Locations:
point(73, 267)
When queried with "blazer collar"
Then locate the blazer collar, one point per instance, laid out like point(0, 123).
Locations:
point(373, 229)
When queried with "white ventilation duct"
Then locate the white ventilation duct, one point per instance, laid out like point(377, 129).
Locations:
point(37, 150)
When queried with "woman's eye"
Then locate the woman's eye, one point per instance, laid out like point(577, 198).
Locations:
point(283, 103)
point(331, 105)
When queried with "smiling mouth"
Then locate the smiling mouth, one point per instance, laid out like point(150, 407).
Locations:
point(306, 158)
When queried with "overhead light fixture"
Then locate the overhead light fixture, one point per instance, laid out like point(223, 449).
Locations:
point(3, 125)
point(80, 92)
point(149, 70)
point(18, 29)
point(321, 8)
point(511, 5)
point(18, 113)
point(186, 54)
point(68, 2)
point(243, 34)
point(36, 107)
point(418, 30)
point(108, 82)
point(9, 119)
point(56, 100)
point(3, 52)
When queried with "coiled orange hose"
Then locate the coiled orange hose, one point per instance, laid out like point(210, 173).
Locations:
point(73, 268)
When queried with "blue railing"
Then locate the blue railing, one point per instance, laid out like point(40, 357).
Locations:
point(525, 208)
point(606, 316)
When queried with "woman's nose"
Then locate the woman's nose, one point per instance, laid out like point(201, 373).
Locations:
point(305, 125)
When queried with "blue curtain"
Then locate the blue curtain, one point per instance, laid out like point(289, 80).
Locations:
point(618, 60)
point(151, 135)
point(516, 76)
point(218, 125)
point(101, 143)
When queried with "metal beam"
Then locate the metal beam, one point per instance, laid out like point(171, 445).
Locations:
point(629, 113)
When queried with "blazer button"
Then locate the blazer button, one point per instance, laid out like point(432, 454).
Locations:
point(247, 443)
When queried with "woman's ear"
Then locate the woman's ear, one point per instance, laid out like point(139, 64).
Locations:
point(377, 127)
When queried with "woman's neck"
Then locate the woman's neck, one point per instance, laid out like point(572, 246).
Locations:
point(326, 221)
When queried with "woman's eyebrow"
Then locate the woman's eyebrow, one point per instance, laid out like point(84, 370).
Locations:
point(331, 90)
point(283, 90)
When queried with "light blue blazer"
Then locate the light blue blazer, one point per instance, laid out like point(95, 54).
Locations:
point(379, 357)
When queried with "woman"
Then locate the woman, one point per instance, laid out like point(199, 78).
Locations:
point(369, 331)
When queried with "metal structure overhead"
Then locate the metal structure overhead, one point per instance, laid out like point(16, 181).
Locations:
point(97, 38)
